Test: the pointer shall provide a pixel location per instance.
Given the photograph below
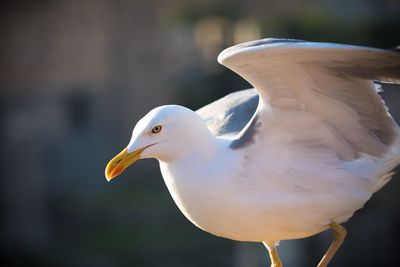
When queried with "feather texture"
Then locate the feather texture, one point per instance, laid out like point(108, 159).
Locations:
point(332, 83)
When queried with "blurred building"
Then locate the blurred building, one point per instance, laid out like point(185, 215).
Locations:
point(75, 76)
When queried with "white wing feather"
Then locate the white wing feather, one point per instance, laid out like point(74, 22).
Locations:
point(321, 87)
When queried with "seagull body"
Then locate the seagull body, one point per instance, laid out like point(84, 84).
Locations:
point(293, 157)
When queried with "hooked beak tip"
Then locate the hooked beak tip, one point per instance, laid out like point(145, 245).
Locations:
point(114, 172)
point(121, 161)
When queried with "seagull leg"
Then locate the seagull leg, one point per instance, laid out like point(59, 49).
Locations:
point(273, 253)
point(339, 233)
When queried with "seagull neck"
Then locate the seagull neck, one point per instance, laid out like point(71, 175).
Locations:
point(201, 148)
point(205, 149)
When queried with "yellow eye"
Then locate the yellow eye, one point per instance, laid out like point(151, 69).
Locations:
point(156, 129)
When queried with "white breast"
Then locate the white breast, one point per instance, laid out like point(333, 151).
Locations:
point(220, 197)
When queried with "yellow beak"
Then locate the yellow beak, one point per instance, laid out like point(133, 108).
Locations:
point(121, 161)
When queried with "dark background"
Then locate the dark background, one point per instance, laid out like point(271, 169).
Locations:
point(75, 76)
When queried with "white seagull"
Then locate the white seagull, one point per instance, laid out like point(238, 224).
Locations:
point(291, 158)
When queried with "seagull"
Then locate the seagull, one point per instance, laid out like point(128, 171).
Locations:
point(294, 156)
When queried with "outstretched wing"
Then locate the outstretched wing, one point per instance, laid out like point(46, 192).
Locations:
point(322, 87)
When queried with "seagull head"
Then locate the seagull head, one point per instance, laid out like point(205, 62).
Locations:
point(166, 133)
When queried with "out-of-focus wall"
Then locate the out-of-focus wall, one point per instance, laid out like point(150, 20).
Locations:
point(75, 76)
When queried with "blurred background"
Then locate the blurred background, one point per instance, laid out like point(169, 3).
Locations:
point(75, 76)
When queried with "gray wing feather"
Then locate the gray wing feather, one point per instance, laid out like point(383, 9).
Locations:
point(230, 114)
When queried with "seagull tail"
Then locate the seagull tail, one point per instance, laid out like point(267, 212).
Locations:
point(385, 171)
point(383, 180)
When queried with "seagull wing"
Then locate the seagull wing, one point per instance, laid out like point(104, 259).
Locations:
point(320, 94)
point(227, 116)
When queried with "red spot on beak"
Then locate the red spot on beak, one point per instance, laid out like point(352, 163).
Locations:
point(117, 171)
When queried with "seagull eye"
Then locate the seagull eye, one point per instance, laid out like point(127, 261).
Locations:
point(156, 129)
